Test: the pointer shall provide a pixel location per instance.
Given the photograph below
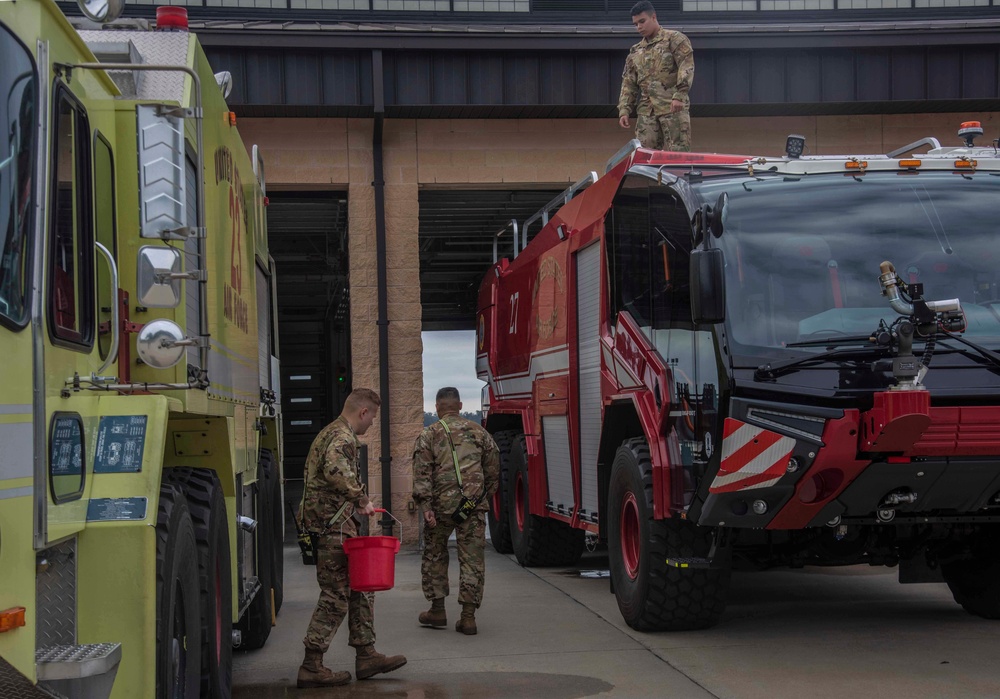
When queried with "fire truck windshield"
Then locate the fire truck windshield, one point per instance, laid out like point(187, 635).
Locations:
point(802, 254)
point(19, 88)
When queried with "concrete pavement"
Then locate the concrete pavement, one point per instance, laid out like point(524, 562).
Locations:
point(533, 641)
point(552, 633)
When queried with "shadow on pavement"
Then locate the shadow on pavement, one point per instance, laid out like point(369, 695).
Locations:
point(481, 685)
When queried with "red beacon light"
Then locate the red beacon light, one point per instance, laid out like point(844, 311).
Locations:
point(970, 130)
point(171, 18)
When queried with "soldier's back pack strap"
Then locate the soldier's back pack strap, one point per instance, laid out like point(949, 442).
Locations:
point(467, 506)
point(454, 454)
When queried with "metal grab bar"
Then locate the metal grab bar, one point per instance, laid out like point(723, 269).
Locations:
point(115, 321)
point(561, 200)
point(510, 224)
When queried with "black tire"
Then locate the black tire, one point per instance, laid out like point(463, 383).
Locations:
point(497, 518)
point(975, 582)
point(537, 541)
point(255, 624)
point(654, 596)
point(203, 491)
point(276, 516)
point(178, 622)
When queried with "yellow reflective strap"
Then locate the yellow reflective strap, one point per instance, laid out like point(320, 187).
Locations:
point(454, 454)
point(334, 519)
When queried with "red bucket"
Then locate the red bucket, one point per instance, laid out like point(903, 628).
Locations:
point(371, 561)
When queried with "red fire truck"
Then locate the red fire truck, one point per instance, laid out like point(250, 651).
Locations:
point(709, 361)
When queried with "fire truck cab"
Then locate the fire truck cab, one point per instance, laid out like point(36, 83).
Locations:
point(706, 361)
point(140, 435)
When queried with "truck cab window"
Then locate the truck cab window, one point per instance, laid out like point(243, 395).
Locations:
point(628, 250)
point(19, 88)
point(71, 295)
point(104, 216)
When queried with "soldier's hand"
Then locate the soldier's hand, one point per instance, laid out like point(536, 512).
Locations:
point(624, 121)
point(429, 518)
point(368, 509)
point(676, 106)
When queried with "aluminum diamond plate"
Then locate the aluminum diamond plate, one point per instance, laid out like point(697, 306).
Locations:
point(14, 685)
point(92, 662)
point(56, 590)
point(159, 48)
point(75, 654)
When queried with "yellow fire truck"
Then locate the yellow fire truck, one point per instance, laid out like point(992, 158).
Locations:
point(140, 435)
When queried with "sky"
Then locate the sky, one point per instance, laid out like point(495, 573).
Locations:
point(450, 360)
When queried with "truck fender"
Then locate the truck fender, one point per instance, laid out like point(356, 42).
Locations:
point(621, 422)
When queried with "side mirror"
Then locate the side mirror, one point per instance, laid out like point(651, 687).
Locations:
point(158, 277)
point(161, 343)
point(102, 10)
point(708, 286)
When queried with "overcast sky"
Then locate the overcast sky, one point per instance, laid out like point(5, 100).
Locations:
point(450, 360)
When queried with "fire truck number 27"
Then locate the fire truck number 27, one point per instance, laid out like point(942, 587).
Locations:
point(515, 297)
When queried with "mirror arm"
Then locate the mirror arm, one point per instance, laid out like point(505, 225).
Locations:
point(198, 275)
point(115, 319)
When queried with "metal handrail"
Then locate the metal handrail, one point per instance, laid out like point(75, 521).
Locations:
point(561, 200)
point(929, 141)
point(510, 224)
point(623, 152)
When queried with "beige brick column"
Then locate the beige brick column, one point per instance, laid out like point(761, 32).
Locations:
point(403, 280)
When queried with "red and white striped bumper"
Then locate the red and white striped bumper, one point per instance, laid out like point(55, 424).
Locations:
point(752, 457)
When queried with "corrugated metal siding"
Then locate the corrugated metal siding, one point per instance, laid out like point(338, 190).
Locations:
point(558, 466)
point(588, 324)
point(577, 84)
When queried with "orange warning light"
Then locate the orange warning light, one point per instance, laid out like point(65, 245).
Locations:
point(11, 619)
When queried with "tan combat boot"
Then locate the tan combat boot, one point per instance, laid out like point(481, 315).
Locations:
point(467, 623)
point(313, 674)
point(370, 662)
point(435, 616)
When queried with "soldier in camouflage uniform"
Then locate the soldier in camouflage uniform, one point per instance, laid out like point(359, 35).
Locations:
point(333, 494)
point(454, 459)
point(658, 74)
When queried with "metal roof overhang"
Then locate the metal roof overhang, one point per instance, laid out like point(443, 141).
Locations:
point(394, 37)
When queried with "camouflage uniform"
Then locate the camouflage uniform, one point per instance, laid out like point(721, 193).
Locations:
point(436, 488)
point(332, 487)
point(657, 71)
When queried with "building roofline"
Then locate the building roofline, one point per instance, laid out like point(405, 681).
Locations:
point(393, 35)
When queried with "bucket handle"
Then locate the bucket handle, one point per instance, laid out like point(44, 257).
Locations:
point(384, 511)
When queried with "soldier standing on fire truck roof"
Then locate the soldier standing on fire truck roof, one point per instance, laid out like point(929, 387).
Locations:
point(332, 495)
point(658, 74)
point(456, 468)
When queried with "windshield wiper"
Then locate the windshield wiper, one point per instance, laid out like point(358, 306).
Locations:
point(769, 372)
point(987, 354)
point(833, 341)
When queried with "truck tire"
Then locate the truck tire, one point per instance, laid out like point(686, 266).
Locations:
point(497, 517)
point(537, 541)
point(975, 582)
point(203, 491)
point(255, 624)
point(652, 595)
point(178, 613)
point(276, 515)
